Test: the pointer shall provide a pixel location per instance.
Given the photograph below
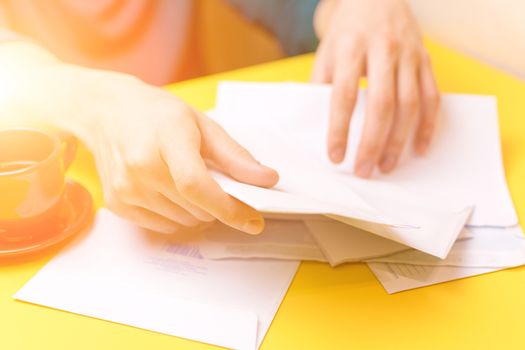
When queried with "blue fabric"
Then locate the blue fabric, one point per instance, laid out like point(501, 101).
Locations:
point(290, 21)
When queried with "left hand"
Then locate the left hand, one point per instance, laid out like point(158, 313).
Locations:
point(378, 39)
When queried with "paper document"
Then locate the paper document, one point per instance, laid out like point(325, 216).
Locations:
point(319, 239)
point(342, 243)
point(488, 250)
point(488, 247)
point(302, 191)
point(400, 277)
point(462, 168)
point(122, 274)
point(281, 239)
point(285, 125)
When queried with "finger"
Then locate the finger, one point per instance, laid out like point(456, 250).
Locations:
point(157, 189)
point(321, 73)
point(195, 184)
point(232, 158)
point(159, 204)
point(380, 106)
point(405, 116)
point(430, 100)
point(167, 188)
point(344, 96)
point(145, 218)
point(170, 192)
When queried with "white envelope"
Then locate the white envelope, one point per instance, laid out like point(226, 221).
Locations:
point(318, 239)
point(277, 123)
point(400, 277)
point(488, 250)
point(342, 243)
point(121, 274)
point(488, 247)
point(281, 239)
point(291, 119)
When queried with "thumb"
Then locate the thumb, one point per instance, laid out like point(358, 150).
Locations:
point(232, 158)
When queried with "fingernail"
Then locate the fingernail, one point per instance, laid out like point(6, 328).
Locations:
point(365, 168)
point(254, 227)
point(337, 154)
point(388, 163)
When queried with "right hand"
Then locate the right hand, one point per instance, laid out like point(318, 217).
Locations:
point(378, 39)
point(151, 151)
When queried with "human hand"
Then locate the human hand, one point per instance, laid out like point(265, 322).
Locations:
point(378, 39)
point(152, 151)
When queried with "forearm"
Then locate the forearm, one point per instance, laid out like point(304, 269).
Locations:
point(33, 86)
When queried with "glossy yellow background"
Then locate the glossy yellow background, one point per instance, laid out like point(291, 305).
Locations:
point(326, 308)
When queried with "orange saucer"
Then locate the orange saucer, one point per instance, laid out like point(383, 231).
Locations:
point(76, 212)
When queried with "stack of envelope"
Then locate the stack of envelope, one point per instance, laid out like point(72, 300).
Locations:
point(445, 216)
point(440, 217)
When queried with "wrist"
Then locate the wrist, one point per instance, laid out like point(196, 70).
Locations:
point(323, 16)
point(38, 90)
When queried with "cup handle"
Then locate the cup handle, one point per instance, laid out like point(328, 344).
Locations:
point(69, 144)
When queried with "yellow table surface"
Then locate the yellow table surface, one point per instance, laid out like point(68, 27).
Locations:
point(325, 308)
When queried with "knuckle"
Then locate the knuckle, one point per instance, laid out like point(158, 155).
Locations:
point(230, 213)
point(352, 92)
point(162, 228)
point(428, 125)
point(338, 132)
point(383, 120)
point(424, 134)
point(396, 145)
point(181, 217)
point(339, 122)
point(409, 102)
point(389, 44)
point(370, 150)
point(350, 44)
point(190, 222)
point(344, 94)
point(425, 58)
point(411, 57)
point(240, 152)
point(150, 221)
point(135, 165)
point(123, 189)
point(141, 161)
point(385, 103)
point(189, 185)
point(432, 98)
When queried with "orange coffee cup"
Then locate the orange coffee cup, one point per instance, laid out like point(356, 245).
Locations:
point(33, 165)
